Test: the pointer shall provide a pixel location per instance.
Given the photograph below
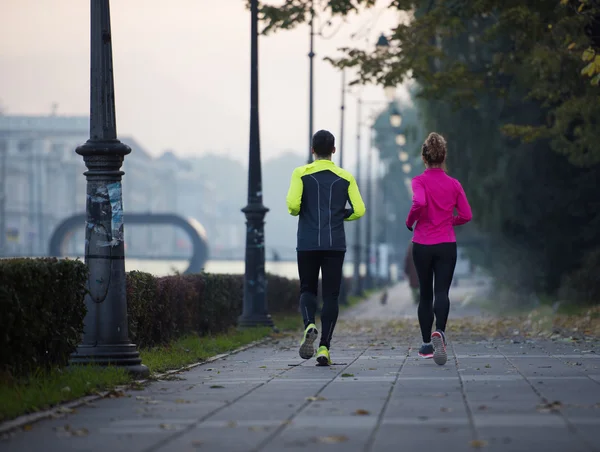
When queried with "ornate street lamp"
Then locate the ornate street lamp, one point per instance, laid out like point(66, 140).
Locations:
point(255, 282)
point(105, 336)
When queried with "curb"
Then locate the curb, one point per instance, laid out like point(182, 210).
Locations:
point(63, 408)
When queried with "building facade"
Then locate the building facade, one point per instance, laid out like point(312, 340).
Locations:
point(42, 183)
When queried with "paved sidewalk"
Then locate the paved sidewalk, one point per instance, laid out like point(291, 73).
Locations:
point(494, 395)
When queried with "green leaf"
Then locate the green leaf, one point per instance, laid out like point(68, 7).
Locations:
point(588, 54)
point(596, 80)
point(589, 69)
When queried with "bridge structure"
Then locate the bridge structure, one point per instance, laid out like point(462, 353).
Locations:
point(192, 227)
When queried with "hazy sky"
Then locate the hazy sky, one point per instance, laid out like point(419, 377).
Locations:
point(181, 72)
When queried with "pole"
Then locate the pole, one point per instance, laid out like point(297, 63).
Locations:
point(255, 283)
point(343, 288)
point(357, 280)
point(3, 152)
point(39, 179)
point(369, 193)
point(105, 336)
point(31, 192)
point(311, 56)
point(342, 109)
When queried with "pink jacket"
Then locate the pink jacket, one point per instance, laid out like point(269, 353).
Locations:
point(435, 196)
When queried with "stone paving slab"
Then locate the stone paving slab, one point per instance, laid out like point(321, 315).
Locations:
point(493, 395)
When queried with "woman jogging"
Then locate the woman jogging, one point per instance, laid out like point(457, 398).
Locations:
point(435, 196)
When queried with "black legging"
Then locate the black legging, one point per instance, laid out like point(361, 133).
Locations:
point(435, 267)
point(330, 263)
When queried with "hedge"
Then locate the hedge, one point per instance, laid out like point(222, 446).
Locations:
point(42, 305)
point(161, 309)
point(42, 311)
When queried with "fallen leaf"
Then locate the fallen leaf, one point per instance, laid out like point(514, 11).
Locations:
point(27, 428)
point(445, 410)
point(114, 394)
point(262, 367)
point(478, 444)
point(315, 398)
point(66, 430)
point(65, 410)
point(347, 375)
point(182, 401)
point(482, 407)
point(332, 439)
point(197, 443)
point(232, 424)
point(361, 412)
point(167, 426)
point(217, 387)
point(80, 432)
point(143, 398)
point(552, 407)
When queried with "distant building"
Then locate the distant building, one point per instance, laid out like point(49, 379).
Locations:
point(44, 184)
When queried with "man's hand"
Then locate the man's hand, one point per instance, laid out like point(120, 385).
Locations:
point(409, 228)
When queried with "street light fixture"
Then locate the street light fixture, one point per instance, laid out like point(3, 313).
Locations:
point(401, 140)
point(395, 117)
point(406, 168)
point(255, 282)
point(382, 44)
point(105, 336)
point(403, 156)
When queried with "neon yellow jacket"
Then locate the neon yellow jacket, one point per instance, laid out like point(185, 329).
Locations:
point(318, 194)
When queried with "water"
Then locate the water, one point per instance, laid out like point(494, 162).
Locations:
point(287, 269)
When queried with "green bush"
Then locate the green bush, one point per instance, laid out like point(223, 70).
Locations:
point(42, 305)
point(161, 309)
point(583, 285)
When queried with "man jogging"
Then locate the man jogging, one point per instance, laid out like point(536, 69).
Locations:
point(318, 194)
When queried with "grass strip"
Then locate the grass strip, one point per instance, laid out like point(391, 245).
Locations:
point(43, 390)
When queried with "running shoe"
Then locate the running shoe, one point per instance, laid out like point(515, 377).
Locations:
point(307, 349)
point(438, 338)
point(426, 351)
point(323, 358)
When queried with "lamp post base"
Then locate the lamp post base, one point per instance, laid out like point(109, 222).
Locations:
point(252, 321)
point(122, 355)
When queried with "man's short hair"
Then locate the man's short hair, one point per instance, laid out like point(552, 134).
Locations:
point(323, 143)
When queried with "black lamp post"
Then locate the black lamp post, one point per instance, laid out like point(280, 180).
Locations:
point(370, 213)
point(311, 56)
point(342, 114)
point(255, 282)
point(105, 338)
point(356, 278)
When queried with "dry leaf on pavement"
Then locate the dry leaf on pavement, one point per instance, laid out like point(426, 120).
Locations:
point(332, 439)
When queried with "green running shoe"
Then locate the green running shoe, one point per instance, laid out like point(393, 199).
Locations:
point(323, 358)
point(307, 349)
